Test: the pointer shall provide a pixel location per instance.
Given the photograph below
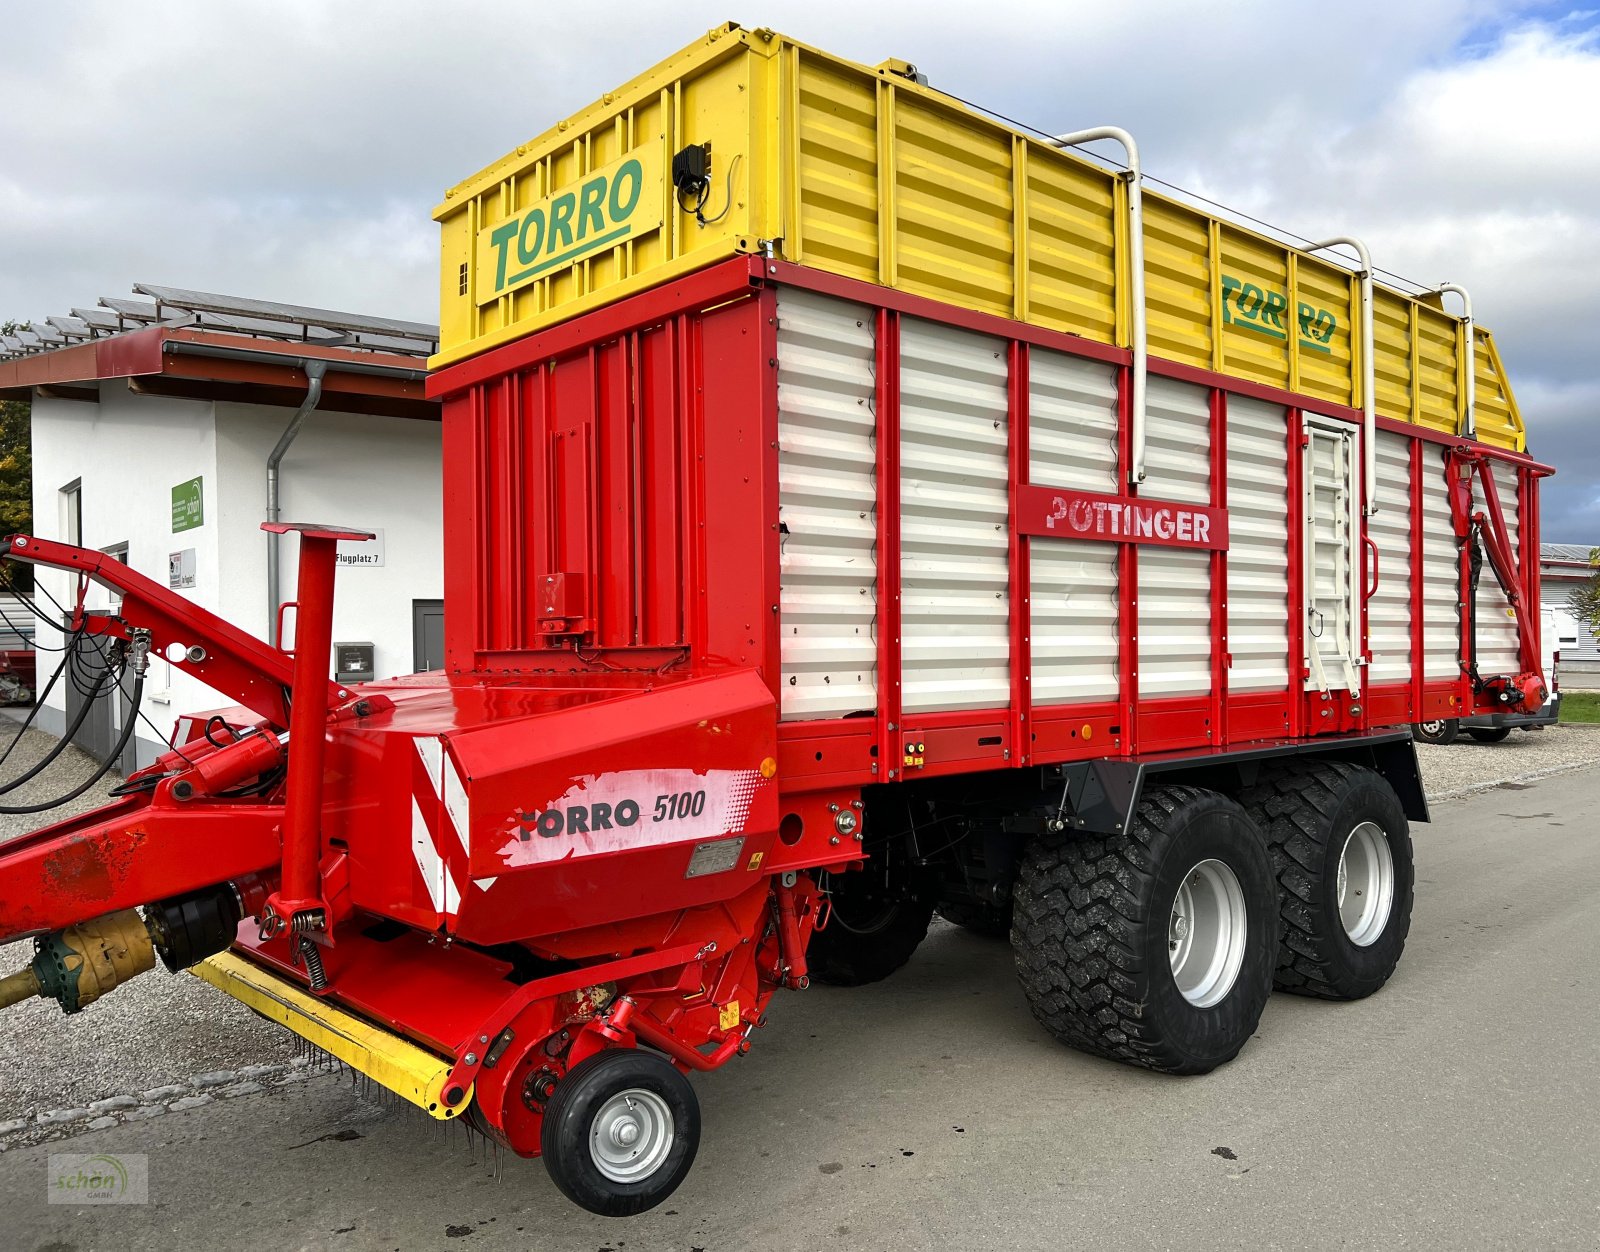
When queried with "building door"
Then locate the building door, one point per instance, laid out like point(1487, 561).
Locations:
point(427, 635)
point(1332, 556)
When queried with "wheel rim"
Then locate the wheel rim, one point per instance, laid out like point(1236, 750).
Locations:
point(631, 1135)
point(1206, 934)
point(1366, 884)
point(1432, 728)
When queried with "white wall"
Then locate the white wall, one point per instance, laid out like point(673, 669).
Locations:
point(130, 450)
point(346, 469)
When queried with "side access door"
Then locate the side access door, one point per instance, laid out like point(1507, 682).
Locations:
point(1330, 478)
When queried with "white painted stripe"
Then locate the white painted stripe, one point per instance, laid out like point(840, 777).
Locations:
point(455, 803)
point(431, 752)
point(427, 857)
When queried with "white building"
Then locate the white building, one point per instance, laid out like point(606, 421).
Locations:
point(1563, 567)
point(153, 424)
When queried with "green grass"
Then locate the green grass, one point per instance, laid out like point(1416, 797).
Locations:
point(1580, 706)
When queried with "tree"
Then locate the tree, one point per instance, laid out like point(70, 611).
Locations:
point(16, 470)
point(1584, 602)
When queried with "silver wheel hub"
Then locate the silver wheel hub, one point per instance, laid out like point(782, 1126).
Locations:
point(631, 1135)
point(1207, 933)
point(1365, 884)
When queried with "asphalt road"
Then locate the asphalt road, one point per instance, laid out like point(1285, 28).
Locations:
point(1458, 1108)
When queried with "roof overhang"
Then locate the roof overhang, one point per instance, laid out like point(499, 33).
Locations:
point(212, 365)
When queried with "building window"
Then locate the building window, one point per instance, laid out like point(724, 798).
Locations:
point(72, 512)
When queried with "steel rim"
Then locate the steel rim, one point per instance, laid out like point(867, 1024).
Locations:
point(1207, 932)
point(1366, 884)
point(631, 1135)
point(1432, 728)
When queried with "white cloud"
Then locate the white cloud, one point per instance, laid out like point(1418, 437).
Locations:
point(290, 149)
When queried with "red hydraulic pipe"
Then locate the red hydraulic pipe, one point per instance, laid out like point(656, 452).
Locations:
point(300, 896)
point(791, 946)
point(646, 1028)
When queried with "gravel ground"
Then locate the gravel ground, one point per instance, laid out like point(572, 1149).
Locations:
point(1466, 765)
point(160, 1028)
point(163, 1029)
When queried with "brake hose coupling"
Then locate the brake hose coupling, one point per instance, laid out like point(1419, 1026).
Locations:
point(139, 650)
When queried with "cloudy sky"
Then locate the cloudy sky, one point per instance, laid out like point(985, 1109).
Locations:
point(292, 150)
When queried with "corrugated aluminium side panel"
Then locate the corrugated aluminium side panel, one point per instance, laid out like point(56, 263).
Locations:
point(953, 210)
point(1391, 322)
point(1441, 580)
point(1175, 583)
point(1071, 240)
point(861, 172)
point(954, 519)
point(826, 506)
point(1072, 422)
point(836, 181)
point(1255, 307)
point(1258, 539)
point(1073, 604)
point(1389, 610)
point(1177, 262)
point(1323, 317)
point(720, 90)
point(1174, 622)
point(1498, 420)
point(1499, 650)
point(1438, 353)
point(1177, 442)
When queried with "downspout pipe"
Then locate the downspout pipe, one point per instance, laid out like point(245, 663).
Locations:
point(1369, 372)
point(314, 374)
point(1136, 298)
point(1469, 388)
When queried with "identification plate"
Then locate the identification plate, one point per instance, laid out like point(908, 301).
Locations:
point(715, 857)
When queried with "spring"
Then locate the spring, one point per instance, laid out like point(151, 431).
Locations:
point(313, 959)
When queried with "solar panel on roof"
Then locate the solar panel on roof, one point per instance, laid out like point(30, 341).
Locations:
point(207, 302)
point(263, 319)
point(99, 319)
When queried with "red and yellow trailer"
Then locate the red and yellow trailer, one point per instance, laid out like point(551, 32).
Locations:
point(853, 506)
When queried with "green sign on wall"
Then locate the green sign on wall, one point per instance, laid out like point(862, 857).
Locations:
point(188, 506)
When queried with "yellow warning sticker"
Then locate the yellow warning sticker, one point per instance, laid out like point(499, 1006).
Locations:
point(730, 1015)
point(755, 861)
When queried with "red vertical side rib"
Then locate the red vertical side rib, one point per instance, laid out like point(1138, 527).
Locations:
point(1021, 580)
point(1219, 572)
point(1297, 575)
point(888, 467)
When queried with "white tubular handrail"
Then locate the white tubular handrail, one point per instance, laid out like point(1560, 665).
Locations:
point(1469, 418)
point(1135, 277)
point(1369, 373)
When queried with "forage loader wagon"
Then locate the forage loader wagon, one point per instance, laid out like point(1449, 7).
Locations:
point(854, 506)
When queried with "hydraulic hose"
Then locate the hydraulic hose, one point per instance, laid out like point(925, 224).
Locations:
point(105, 766)
point(50, 757)
point(38, 703)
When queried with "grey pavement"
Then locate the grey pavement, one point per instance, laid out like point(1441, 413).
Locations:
point(1458, 1108)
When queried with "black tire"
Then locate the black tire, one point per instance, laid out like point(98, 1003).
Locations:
point(1489, 734)
point(1308, 811)
point(564, 1139)
point(876, 918)
point(1441, 731)
point(1091, 934)
point(990, 921)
